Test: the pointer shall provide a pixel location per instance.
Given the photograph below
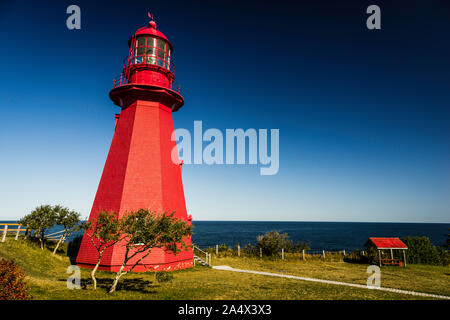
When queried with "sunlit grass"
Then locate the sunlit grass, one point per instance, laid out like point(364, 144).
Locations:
point(46, 275)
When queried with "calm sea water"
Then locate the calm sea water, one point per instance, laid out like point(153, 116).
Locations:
point(320, 235)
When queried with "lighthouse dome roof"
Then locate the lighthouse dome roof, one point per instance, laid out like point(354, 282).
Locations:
point(151, 30)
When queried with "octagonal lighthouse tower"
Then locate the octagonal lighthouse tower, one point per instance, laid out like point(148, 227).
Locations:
point(139, 170)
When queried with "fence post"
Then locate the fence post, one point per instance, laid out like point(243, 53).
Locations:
point(379, 256)
point(323, 252)
point(239, 250)
point(217, 249)
point(282, 254)
point(5, 230)
point(404, 256)
point(260, 252)
point(17, 233)
point(303, 252)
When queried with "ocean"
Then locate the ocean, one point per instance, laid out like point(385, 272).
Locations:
point(320, 235)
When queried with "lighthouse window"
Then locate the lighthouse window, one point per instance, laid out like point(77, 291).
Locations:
point(150, 59)
point(161, 54)
point(140, 51)
point(161, 45)
point(141, 42)
point(152, 51)
point(151, 42)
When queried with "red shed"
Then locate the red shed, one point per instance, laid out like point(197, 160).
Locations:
point(388, 244)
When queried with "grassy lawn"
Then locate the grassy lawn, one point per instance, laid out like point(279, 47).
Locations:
point(422, 278)
point(46, 275)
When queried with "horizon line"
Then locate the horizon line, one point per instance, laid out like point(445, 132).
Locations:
point(202, 220)
point(315, 221)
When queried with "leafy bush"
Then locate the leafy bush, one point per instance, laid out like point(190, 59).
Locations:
point(163, 276)
point(421, 251)
point(226, 251)
point(272, 242)
point(444, 256)
point(299, 247)
point(250, 250)
point(12, 283)
point(357, 257)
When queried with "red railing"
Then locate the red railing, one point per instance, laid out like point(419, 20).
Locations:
point(121, 80)
point(149, 59)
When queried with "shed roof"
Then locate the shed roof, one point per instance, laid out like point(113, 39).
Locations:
point(388, 243)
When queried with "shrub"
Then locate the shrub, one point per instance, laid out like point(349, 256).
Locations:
point(164, 276)
point(224, 250)
point(250, 250)
point(299, 247)
point(356, 257)
point(12, 283)
point(272, 242)
point(422, 251)
point(444, 256)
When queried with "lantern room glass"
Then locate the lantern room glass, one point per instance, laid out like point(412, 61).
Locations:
point(151, 50)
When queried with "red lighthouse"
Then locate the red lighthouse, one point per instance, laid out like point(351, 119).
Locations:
point(139, 171)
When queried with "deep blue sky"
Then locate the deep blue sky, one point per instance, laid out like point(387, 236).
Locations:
point(363, 115)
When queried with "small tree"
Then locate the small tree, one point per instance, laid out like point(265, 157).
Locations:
point(104, 232)
point(40, 219)
point(272, 242)
point(68, 219)
point(25, 221)
point(145, 230)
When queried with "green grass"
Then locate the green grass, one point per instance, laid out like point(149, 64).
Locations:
point(46, 275)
